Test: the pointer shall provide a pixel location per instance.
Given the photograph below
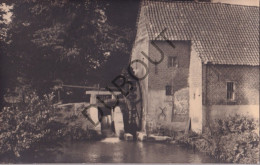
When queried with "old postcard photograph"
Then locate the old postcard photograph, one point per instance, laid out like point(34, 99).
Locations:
point(129, 81)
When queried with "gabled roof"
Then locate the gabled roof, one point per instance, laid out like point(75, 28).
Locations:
point(221, 33)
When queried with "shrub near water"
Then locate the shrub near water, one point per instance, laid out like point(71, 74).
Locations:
point(235, 139)
point(232, 140)
point(27, 124)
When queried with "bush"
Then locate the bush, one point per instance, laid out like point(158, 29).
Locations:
point(234, 139)
point(231, 140)
point(26, 123)
point(32, 122)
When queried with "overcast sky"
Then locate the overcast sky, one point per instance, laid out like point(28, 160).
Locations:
point(240, 2)
point(6, 9)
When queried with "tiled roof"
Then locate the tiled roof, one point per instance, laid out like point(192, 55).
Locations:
point(221, 33)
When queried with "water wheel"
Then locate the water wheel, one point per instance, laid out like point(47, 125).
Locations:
point(134, 106)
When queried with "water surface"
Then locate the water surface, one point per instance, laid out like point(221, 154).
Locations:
point(118, 152)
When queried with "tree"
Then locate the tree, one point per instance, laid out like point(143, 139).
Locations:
point(5, 74)
point(68, 40)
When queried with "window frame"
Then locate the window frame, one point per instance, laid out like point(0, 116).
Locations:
point(230, 94)
point(173, 62)
point(168, 90)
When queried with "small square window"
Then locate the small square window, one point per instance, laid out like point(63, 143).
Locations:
point(172, 61)
point(230, 91)
point(168, 90)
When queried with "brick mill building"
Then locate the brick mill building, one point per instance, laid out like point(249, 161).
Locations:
point(202, 62)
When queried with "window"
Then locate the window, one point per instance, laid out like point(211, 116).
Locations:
point(230, 91)
point(172, 62)
point(168, 90)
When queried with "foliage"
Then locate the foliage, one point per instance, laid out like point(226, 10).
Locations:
point(240, 148)
point(23, 125)
point(231, 140)
point(68, 40)
point(34, 121)
point(74, 41)
point(234, 139)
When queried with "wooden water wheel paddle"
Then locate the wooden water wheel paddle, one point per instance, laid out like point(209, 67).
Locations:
point(134, 106)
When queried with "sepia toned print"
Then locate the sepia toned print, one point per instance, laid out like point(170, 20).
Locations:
point(148, 81)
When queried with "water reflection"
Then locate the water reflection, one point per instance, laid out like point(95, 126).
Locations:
point(121, 152)
point(111, 140)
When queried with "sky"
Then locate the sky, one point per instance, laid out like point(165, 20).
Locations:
point(6, 8)
point(239, 2)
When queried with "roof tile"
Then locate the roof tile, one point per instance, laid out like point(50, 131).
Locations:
point(221, 33)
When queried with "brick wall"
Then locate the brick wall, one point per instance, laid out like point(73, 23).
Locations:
point(246, 82)
point(245, 78)
point(208, 92)
point(177, 77)
point(165, 109)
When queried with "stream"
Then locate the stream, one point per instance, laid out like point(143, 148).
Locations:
point(116, 151)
